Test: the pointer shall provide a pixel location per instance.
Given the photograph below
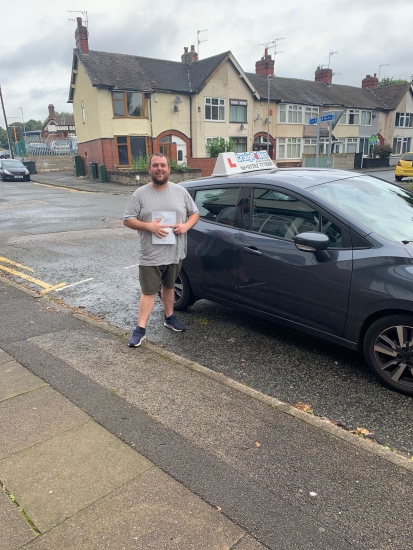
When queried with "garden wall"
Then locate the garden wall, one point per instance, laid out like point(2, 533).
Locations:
point(140, 178)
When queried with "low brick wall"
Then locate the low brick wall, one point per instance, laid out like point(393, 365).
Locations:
point(140, 178)
point(51, 163)
point(206, 165)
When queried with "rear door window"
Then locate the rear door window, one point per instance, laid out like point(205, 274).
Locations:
point(219, 205)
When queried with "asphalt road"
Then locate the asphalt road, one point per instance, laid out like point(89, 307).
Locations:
point(78, 239)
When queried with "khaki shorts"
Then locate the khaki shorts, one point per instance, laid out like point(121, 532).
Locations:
point(152, 276)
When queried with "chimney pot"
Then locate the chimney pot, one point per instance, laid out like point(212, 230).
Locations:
point(265, 65)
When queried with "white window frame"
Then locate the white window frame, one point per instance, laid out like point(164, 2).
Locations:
point(310, 112)
point(367, 116)
point(82, 107)
point(346, 117)
point(352, 142)
point(287, 112)
point(401, 145)
point(284, 144)
point(220, 105)
point(405, 118)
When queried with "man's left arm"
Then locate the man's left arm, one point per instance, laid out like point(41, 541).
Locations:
point(181, 228)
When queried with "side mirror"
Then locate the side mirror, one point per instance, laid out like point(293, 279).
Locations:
point(313, 242)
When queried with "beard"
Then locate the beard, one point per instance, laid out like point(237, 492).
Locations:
point(159, 180)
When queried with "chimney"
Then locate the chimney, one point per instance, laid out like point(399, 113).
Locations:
point(370, 82)
point(324, 75)
point(189, 57)
point(265, 65)
point(52, 114)
point(81, 36)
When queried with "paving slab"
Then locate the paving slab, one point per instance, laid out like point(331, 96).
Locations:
point(5, 357)
point(153, 512)
point(15, 531)
point(36, 416)
point(57, 478)
point(16, 380)
point(249, 543)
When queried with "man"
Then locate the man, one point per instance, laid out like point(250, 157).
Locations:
point(162, 245)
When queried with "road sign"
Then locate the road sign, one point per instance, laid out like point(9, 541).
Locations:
point(335, 117)
point(373, 139)
point(325, 118)
point(313, 120)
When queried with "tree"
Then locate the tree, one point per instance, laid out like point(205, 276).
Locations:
point(391, 82)
point(219, 145)
point(32, 125)
point(4, 144)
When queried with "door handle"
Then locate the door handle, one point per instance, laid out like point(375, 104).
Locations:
point(251, 250)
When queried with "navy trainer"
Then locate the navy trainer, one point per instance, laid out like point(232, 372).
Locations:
point(173, 323)
point(138, 336)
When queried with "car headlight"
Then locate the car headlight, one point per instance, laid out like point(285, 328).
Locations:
point(26, 172)
point(7, 172)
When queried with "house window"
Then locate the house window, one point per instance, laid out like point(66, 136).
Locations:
point(215, 109)
point(240, 144)
point(82, 106)
point(366, 118)
point(310, 146)
point(289, 148)
point(129, 148)
point(351, 116)
point(401, 145)
point(310, 112)
point(404, 120)
point(237, 110)
point(291, 114)
point(351, 145)
point(128, 104)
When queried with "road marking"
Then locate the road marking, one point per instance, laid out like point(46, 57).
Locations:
point(7, 261)
point(136, 265)
point(42, 284)
point(73, 284)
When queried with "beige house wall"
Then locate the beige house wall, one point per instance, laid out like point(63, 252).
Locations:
point(225, 84)
point(164, 117)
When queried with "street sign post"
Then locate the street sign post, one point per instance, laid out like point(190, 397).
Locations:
point(332, 118)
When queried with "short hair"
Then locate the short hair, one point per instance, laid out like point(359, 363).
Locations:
point(158, 155)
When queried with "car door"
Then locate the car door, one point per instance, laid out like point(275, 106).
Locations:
point(212, 259)
point(284, 281)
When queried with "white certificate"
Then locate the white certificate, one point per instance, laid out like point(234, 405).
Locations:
point(167, 218)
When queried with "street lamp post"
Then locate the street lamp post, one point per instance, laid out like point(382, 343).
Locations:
point(24, 126)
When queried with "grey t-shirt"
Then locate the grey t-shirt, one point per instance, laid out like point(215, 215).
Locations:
point(146, 200)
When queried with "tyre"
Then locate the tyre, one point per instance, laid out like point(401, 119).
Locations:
point(183, 293)
point(398, 178)
point(388, 349)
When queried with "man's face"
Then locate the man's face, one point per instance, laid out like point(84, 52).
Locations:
point(159, 170)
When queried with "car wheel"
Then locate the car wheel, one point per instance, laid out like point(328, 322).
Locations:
point(398, 178)
point(183, 293)
point(388, 349)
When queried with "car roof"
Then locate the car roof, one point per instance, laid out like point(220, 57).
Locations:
point(289, 178)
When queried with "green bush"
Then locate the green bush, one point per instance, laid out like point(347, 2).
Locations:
point(219, 145)
point(383, 151)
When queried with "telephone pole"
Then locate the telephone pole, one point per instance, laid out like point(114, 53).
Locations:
point(7, 126)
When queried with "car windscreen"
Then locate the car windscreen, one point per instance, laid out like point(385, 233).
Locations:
point(12, 164)
point(384, 208)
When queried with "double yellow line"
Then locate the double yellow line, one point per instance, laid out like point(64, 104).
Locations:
point(47, 288)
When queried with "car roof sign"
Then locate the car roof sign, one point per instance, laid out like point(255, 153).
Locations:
point(237, 163)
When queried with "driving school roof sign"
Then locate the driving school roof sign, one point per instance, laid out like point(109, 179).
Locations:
point(237, 163)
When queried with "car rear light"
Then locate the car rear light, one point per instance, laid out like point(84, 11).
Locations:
point(399, 163)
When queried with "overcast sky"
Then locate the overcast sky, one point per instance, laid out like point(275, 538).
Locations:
point(37, 39)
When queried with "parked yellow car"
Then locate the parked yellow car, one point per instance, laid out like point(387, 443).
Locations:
point(404, 167)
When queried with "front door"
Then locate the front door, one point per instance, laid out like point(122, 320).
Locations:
point(287, 282)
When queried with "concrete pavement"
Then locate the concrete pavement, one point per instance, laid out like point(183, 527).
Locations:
point(105, 446)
